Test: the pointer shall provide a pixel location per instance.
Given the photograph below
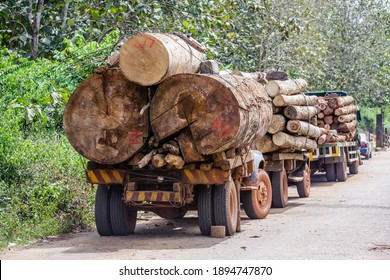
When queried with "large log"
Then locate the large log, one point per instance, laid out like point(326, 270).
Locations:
point(265, 144)
point(222, 112)
point(300, 112)
point(328, 111)
point(148, 59)
point(278, 123)
point(340, 101)
point(294, 142)
point(345, 110)
point(303, 128)
point(299, 100)
point(288, 87)
point(102, 119)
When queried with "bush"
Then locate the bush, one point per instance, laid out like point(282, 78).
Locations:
point(42, 181)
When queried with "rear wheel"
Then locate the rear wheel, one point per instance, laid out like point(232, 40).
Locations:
point(330, 172)
point(102, 210)
point(257, 203)
point(226, 207)
point(354, 167)
point(341, 171)
point(205, 209)
point(303, 187)
point(279, 189)
point(123, 219)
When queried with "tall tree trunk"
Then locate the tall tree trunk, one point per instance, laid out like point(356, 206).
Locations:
point(36, 27)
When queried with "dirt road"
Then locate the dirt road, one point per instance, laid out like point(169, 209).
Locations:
point(347, 220)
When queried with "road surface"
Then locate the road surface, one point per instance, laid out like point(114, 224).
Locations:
point(346, 220)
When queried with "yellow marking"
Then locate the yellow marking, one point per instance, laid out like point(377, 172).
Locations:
point(203, 176)
point(336, 152)
point(166, 196)
point(154, 196)
point(105, 176)
point(92, 177)
point(310, 156)
point(189, 175)
point(141, 196)
point(177, 197)
point(117, 175)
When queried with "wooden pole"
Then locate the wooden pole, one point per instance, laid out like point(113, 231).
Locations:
point(293, 142)
point(288, 87)
point(303, 128)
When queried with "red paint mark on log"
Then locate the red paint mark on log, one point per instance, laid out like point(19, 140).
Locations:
point(144, 43)
point(135, 138)
point(223, 129)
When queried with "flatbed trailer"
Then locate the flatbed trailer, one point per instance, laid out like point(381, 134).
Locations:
point(215, 190)
point(288, 169)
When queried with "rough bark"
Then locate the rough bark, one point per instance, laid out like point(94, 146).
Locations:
point(102, 119)
point(188, 147)
point(278, 123)
point(346, 118)
point(221, 112)
point(347, 127)
point(288, 87)
point(276, 75)
point(176, 161)
point(294, 142)
point(328, 111)
point(340, 101)
point(158, 160)
point(298, 100)
point(300, 112)
point(303, 128)
point(36, 27)
point(265, 144)
point(345, 110)
point(148, 59)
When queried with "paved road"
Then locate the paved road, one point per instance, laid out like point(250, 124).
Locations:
point(347, 220)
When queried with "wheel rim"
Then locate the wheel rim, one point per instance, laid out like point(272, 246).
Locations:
point(285, 186)
point(233, 206)
point(262, 194)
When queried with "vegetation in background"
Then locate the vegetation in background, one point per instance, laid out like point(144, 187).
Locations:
point(48, 47)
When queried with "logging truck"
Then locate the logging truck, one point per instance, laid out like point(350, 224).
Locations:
point(341, 150)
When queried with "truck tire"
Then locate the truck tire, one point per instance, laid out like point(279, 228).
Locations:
point(226, 207)
point(102, 210)
point(303, 187)
point(330, 172)
point(341, 171)
point(205, 209)
point(279, 189)
point(257, 203)
point(354, 167)
point(123, 218)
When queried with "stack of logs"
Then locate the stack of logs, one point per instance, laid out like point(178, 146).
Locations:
point(293, 125)
point(151, 107)
point(337, 117)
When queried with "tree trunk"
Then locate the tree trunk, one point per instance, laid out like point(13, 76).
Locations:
point(102, 119)
point(288, 87)
point(328, 119)
point(188, 147)
point(340, 101)
point(36, 27)
point(303, 128)
point(345, 110)
point(176, 161)
point(322, 139)
point(320, 115)
point(298, 100)
point(346, 118)
point(293, 142)
point(158, 160)
point(265, 144)
point(278, 123)
point(328, 111)
point(347, 127)
point(148, 59)
point(222, 112)
point(300, 112)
